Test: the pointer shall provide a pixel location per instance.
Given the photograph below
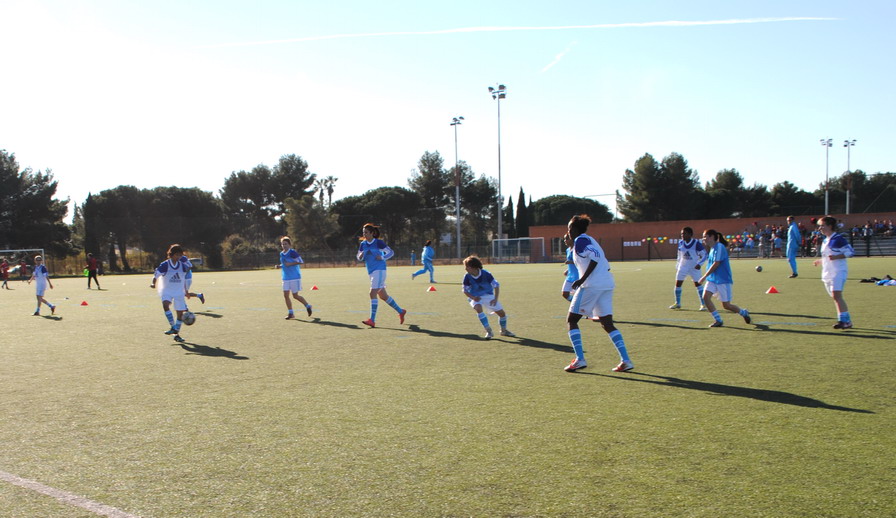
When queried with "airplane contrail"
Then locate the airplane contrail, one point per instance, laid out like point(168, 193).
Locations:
point(669, 23)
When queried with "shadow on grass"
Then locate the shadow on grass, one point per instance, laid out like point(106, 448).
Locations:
point(216, 352)
point(317, 320)
point(51, 317)
point(207, 314)
point(753, 313)
point(527, 342)
point(772, 396)
point(765, 327)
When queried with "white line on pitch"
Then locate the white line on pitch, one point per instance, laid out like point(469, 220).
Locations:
point(65, 497)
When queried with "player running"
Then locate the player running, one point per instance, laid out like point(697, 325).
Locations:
point(292, 276)
point(426, 255)
point(834, 251)
point(718, 273)
point(593, 295)
point(691, 254)
point(482, 290)
point(172, 292)
point(374, 252)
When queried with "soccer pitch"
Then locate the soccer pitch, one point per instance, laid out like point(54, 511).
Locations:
point(258, 416)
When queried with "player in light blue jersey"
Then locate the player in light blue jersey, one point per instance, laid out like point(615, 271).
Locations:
point(794, 239)
point(572, 273)
point(171, 290)
point(291, 275)
point(41, 278)
point(834, 251)
point(482, 291)
point(691, 254)
point(426, 256)
point(374, 252)
point(718, 277)
point(593, 295)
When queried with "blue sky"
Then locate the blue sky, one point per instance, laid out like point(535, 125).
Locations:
point(106, 93)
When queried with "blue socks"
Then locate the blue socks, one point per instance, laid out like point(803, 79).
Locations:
point(616, 336)
point(575, 336)
point(170, 317)
point(715, 315)
point(843, 317)
point(391, 302)
point(374, 304)
point(483, 319)
point(678, 295)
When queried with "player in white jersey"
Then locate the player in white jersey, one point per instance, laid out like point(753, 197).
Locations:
point(41, 278)
point(593, 295)
point(171, 290)
point(834, 270)
point(691, 254)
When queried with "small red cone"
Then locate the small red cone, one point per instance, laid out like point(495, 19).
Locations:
point(772, 290)
point(83, 302)
point(431, 288)
point(314, 287)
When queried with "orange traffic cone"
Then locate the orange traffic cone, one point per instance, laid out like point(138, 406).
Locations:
point(431, 288)
point(83, 302)
point(772, 290)
point(314, 287)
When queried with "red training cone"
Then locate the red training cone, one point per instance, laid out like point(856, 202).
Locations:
point(772, 290)
point(83, 302)
point(314, 287)
point(431, 288)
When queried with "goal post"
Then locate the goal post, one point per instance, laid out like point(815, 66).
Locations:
point(14, 256)
point(519, 250)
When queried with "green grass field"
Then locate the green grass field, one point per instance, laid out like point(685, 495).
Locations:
point(258, 416)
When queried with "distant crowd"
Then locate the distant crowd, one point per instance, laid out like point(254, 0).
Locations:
point(770, 240)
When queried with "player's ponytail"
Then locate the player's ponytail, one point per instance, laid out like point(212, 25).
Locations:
point(374, 230)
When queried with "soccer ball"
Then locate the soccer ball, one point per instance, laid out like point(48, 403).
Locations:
point(189, 318)
point(758, 268)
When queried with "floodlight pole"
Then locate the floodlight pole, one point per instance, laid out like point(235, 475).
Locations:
point(848, 144)
point(457, 121)
point(827, 145)
point(497, 94)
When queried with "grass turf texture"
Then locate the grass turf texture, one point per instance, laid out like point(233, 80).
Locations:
point(258, 416)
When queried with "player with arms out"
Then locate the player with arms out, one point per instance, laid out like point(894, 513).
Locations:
point(593, 295)
point(834, 251)
point(42, 279)
point(171, 290)
point(691, 254)
point(482, 290)
point(374, 252)
point(718, 275)
point(291, 275)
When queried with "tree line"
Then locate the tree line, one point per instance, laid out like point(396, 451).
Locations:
point(255, 207)
point(670, 190)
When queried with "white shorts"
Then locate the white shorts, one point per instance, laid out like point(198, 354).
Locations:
point(567, 286)
point(835, 284)
point(683, 273)
point(40, 288)
point(592, 302)
point(486, 302)
point(378, 280)
point(292, 285)
point(177, 300)
point(722, 291)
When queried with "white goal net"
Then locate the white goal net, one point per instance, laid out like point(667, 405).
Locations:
point(519, 250)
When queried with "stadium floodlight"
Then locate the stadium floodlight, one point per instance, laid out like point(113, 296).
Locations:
point(826, 142)
point(848, 144)
point(498, 94)
point(457, 121)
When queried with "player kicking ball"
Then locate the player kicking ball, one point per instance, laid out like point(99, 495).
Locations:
point(171, 289)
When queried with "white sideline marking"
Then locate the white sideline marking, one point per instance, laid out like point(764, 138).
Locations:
point(66, 497)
